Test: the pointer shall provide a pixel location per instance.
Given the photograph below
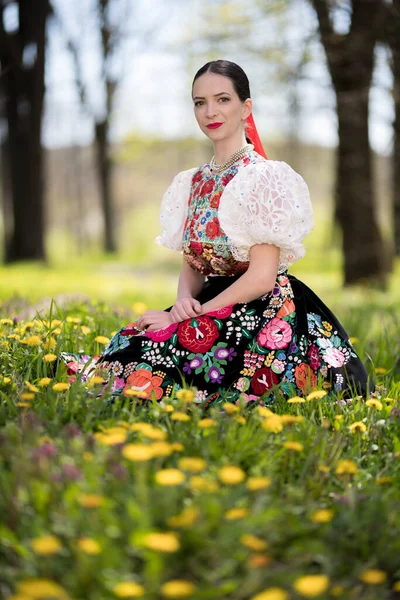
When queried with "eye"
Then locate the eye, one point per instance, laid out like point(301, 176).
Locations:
point(225, 98)
point(198, 102)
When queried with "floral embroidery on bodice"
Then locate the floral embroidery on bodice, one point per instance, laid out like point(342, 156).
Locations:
point(205, 244)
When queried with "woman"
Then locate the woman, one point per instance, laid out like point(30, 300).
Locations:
point(240, 323)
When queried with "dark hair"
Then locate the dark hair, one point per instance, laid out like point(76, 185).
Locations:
point(235, 73)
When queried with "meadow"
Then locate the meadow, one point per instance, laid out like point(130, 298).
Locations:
point(153, 500)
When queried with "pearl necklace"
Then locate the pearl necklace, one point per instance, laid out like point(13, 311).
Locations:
point(238, 154)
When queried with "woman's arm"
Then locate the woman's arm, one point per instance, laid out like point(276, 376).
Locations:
point(190, 284)
point(258, 280)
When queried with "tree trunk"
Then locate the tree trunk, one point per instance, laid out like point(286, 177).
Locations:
point(24, 88)
point(105, 168)
point(350, 59)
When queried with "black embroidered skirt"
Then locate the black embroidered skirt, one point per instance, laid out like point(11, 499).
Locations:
point(287, 341)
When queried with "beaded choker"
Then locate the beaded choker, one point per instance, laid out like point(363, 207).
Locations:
point(238, 154)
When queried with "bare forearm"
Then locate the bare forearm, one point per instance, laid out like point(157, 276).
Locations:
point(248, 287)
point(190, 282)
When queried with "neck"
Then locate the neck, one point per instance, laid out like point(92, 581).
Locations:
point(223, 149)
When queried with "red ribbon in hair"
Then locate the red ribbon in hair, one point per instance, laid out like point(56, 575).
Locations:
point(252, 133)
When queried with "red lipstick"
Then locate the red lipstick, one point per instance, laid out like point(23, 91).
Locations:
point(214, 125)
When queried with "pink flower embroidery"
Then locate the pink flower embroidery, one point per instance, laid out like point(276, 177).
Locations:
point(276, 334)
point(221, 313)
point(161, 335)
point(333, 357)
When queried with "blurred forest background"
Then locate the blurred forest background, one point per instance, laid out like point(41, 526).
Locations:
point(96, 118)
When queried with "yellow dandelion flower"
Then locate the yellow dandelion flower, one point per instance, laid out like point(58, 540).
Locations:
point(230, 408)
point(177, 588)
point(388, 400)
point(346, 466)
point(231, 475)
point(129, 589)
point(96, 380)
point(73, 319)
point(179, 416)
point(162, 449)
point(141, 427)
point(102, 339)
point(201, 484)
point(253, 542)
point(23, 404)
point(380, 371)
point(33, 340)
point(162, 542)
point(358, 426)
point(49, 357)
point(31, 387)
point(27, 396)
point(273, 593)
point(311, 586)
point(169, 477)
point(384, 479)
point(240, 419)
point(296, 400)
point(137, 452)
point(85, 330)
point(44, 382)
point(317, 395)
point(111, 438)
point(87, 456)
point(324, 515)
point(206, 423)
point(373, 576)
point(258, 483)
point(396, 586)
point(263, 411)
point(6, 322)
point(177, 446)
point(194, 464)
point(46, 545)
point(89, 545)
point(374, 403)
point(168, 408)
point(233, 514)
point(339, 417)
point(272, 424)
point(186, 518)
point(91, 500)
point(129, 392)
point(45, 439)
point(6, 380)
point(289, 419)
point(37, 589)
point(295, 446)
point(60, 386)
point(187, 396)
point(139, 307)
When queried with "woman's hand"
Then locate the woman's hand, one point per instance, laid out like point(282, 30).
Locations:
point(185, 308)
point(154, 319)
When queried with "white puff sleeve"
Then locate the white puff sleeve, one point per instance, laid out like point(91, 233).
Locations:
point(173, 211)
point(267, 202)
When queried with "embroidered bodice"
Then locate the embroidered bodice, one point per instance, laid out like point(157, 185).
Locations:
point(215, 218)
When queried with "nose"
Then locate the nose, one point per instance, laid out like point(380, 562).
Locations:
point(210, 110)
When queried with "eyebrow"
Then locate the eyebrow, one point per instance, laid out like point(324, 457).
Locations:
point(202, 97)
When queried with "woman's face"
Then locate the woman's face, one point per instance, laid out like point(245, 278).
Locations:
point(215, 101)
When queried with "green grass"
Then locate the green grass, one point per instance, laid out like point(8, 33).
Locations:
point(69, 464)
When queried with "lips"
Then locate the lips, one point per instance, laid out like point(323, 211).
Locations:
point(214, 125)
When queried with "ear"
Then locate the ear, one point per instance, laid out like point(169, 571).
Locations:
point(247, 108)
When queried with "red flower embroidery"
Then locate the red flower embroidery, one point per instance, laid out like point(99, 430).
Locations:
point(213, 229)
point(198, 338)
point(143, 380)
point(197, 247)
point(226, 179)
point(130, 329)
point(305, 376)
point(214, 202)
point(161, 335)
point(221, 313)
point(263, 380)
point(315, 359)
point(208, 186)
point(197, 176)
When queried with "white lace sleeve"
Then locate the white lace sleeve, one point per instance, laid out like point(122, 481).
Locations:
point(173, 211)
point(267, 202)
